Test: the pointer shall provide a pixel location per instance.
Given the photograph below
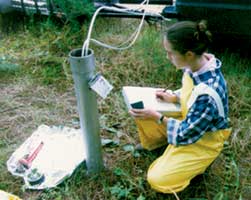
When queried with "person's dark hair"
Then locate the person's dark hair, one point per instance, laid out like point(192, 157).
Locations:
point(189, 36)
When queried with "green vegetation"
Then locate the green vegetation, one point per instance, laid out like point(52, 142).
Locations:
point(37, 88)
point(74, 9)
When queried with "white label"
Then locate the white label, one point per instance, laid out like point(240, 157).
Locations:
point(100, 85)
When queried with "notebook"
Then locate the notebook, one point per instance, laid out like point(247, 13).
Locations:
point(133, 94)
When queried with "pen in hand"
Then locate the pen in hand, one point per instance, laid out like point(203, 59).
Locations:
point(158, 96)
point(165, 90)
point(168, 96)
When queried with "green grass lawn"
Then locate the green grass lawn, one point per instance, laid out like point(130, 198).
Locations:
point(36, 88)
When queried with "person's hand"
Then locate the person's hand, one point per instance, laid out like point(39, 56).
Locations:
point(145, 113)
point(167, 96)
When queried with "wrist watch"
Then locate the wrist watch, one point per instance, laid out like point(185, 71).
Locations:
point(160, 120)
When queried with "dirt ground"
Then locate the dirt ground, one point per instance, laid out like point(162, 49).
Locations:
point(24, 107)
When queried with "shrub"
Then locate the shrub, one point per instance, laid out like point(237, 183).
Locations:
point(75, 9)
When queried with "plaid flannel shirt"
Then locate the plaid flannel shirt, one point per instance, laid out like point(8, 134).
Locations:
point(203, 116)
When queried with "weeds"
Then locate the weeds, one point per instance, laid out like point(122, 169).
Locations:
point(41, 91)
point(74, 9)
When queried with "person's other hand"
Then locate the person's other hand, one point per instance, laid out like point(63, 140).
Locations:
point(145, 113)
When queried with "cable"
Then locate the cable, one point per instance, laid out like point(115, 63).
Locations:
point(87, 41)
point(132, 38)
point(135, 34)
point(124, 43)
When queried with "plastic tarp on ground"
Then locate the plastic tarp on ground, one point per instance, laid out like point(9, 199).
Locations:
point(62, 150)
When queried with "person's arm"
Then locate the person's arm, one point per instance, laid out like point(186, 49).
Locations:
point(145, 114)
point(149, 114)
point(196, 123)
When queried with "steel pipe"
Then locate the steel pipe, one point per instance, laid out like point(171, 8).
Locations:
point(83, 69)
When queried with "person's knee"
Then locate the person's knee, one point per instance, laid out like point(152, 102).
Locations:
point(166, 183)
point(153, 178)
point(157, 181)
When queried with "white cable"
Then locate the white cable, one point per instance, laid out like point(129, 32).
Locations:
point(86, 43)
point(120, 47)
point(135, 35)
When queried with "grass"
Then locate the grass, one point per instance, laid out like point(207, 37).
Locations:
point(37, 88)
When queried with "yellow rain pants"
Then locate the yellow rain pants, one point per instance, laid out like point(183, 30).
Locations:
point(173, 171)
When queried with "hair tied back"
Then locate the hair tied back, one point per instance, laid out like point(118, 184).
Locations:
point(202, 26)
point(202, 31)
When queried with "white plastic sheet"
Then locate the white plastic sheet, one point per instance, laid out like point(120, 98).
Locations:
point(62, 152)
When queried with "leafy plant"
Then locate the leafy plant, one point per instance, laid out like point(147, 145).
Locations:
point(73, 9)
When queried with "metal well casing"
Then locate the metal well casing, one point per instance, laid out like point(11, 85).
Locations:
point(83, 69)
